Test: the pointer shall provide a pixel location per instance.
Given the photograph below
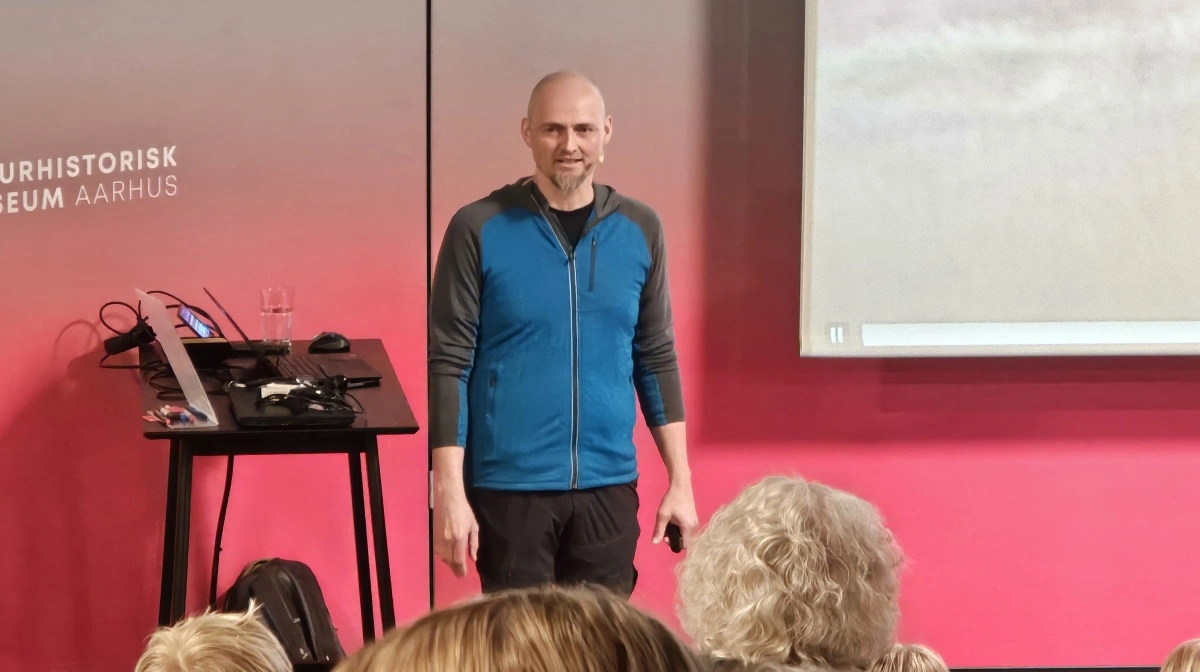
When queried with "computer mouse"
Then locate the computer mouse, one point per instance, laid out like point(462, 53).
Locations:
point(329, 341)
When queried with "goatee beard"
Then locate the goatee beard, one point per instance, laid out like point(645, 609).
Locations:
point(567, 183)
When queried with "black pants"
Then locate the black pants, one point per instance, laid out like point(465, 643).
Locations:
point(577, 536)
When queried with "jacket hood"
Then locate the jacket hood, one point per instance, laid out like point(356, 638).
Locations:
point(524, 192)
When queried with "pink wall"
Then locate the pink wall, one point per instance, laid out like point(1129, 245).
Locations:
point(300, 159)
point(1044, 504)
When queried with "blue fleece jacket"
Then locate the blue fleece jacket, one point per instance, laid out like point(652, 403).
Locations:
point(540, 351)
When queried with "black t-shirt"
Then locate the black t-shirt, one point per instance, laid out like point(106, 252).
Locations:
point(573, 221)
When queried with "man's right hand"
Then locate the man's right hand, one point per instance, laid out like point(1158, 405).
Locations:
point(455, 530)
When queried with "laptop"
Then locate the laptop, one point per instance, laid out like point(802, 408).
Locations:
point(249, 410)
point(358, 373)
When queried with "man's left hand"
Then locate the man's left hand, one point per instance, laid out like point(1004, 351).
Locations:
point(678, 506)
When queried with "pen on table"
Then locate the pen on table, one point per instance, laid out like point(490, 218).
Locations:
point(197, 412)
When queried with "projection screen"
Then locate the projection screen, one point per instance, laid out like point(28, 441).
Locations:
point(1001, 178)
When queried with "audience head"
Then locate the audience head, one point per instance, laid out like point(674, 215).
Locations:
point(792, 572)
point(910, 658)
point(215, 642)
point(733, 665)
point(545, 629)
point(1185, 658)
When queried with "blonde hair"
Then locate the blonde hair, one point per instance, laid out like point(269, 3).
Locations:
point(792, 572)
point(543, 629)
point(910, 658)
point(215, 642)
point(1184, 658)
point(731, 665)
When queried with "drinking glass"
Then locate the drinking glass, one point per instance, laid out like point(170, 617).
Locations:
point(277, 317)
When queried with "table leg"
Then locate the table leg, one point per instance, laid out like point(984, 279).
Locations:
point(183, 528)
point(383, 569)
point(165, 593)
point(360, 546)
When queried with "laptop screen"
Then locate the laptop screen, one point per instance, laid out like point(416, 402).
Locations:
point(177, 356)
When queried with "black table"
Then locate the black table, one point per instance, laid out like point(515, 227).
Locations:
point(386, 412)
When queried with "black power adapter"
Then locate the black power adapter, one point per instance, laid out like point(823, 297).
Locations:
point(207, 351)
point(140, 334)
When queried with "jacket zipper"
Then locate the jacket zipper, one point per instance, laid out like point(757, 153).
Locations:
point(574, 372)
point(592, 280)
point(574, 349)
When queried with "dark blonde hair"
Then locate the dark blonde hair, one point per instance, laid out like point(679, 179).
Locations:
point(1184, 658)
point(792, 572)
point(545, 629)
point(910, 658)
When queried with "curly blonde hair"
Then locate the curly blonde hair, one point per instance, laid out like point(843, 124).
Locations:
point(792, 572)
point(731, 665)
point(542, 629)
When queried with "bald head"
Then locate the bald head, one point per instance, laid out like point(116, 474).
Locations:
point(567, 128)
point(564, 84)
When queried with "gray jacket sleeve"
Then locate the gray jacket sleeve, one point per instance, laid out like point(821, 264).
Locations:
point(656, 366)
point(453, 324)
